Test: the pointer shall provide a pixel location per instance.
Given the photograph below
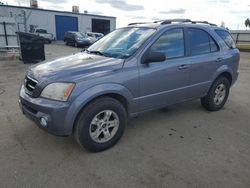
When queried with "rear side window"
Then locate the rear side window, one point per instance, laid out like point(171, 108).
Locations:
point(201, 42)
point(225, 35)
point(171, 43)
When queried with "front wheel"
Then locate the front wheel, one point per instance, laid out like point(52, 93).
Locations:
point(101, 124)
point(217, 95)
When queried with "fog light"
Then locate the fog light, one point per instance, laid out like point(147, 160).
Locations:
point(44, 121)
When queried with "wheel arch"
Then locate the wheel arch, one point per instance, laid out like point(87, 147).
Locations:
point(227, 75)
point(116, 91)
point(224, 71)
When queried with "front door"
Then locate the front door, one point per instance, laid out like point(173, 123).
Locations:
point(164, 83)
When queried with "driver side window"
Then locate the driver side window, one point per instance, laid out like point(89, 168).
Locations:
point(171, 43)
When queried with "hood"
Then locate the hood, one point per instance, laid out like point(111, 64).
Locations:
point(75, 67)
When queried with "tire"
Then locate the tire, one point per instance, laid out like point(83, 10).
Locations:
point(213, 101)
point(85, 128)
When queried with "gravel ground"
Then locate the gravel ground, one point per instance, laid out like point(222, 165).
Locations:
point(182, 146)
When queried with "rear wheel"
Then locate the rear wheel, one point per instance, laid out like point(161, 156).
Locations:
point(101, 124)
point(217, 95)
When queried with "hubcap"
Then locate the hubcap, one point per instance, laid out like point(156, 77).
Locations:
point(219, 94)
point(104, 126)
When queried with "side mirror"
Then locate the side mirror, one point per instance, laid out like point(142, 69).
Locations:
point(152, 57)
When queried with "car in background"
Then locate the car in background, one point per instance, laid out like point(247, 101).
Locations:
point(77, 39)
point(95, 35)
point(48, 37)
point(92, 39)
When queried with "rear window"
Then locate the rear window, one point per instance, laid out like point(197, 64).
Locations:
point(225, 35)
point(201, 42)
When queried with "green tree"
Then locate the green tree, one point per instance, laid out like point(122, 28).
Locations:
point(247, 23)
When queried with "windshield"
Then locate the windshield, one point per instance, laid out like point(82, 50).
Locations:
point(80, 35)
point(121, 43)
point(99, 35)
point(83, 34)
point(41, 31)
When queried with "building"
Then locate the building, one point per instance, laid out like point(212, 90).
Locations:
point(57, 22)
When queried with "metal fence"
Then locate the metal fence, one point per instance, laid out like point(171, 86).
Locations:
point(241, 38)
point(8, 36)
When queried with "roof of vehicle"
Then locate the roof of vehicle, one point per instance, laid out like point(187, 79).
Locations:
point(95, 33)
point(76, 33)
point(165, 23)
point(72, 32)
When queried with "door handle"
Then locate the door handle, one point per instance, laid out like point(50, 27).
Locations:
point(219, 59)
point(184, 66)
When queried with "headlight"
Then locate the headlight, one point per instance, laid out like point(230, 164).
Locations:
point(58, 91)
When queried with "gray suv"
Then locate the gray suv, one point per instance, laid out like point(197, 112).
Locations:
point(141, 67)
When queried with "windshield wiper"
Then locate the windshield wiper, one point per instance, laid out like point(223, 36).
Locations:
point(96, 52)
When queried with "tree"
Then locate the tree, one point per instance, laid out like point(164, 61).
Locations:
point(247, 23)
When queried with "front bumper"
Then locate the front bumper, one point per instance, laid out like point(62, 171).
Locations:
point(55, 112)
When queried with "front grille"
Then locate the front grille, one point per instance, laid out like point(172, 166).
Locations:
point(29, 84)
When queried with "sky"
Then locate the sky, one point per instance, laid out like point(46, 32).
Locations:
point(232, 12)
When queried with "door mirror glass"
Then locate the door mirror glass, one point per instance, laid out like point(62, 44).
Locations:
point(152, 57)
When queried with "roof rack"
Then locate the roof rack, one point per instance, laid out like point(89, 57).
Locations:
point(203, 22)
point(136, 23)
point(170, 21)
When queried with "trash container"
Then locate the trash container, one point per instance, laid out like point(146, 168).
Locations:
point(31, 47)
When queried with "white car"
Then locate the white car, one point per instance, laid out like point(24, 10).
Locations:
point(91, 38)
point(48, 37)
point(95, 35)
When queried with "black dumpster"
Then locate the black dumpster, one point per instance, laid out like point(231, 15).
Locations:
point(31, 47)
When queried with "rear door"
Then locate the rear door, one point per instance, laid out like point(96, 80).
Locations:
point(205, 58)
point(231, 53)
point(72, 38)
point(66, 37)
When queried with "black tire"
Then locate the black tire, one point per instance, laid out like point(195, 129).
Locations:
point(83, 123)
point(208, 101)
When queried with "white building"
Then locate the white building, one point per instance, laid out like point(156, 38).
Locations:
point(57, 22)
